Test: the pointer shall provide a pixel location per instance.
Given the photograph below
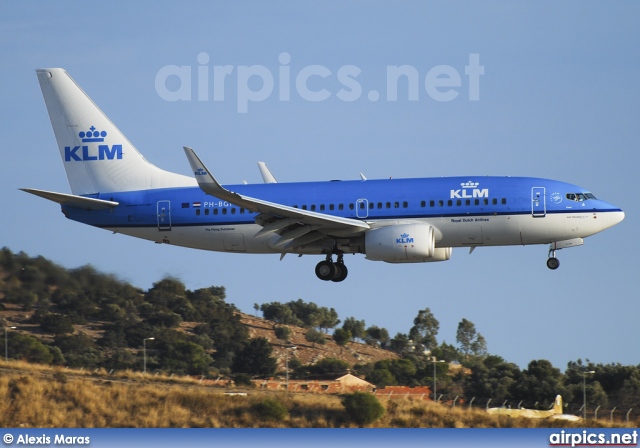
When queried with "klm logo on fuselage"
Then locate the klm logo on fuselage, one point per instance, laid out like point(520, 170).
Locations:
point(470, 190)
point(404, 239)
point(85, 153)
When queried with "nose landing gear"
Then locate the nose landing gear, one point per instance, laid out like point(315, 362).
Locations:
point(552, 262)
point(328, 270)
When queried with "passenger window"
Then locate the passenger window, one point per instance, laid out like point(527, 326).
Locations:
point(215, 211)
point(206, 211)
point(467, 202)
point(331, 206)
point(322, 207)
point(423, 203)
point(361, 205)
point(224, 211)
point(351, 207)
point(197, 212)
point(396, 204)
point(476, 201)
point(432, 203)
point(459, 202)
point(233, 211)
point(485, 201)
point(371, 205)
point(494, 201)
point(388, 204)
point(379, 204)
point(449, 203)
point(504, 200)
point(405, 204)
point(304, 207)
point(313, 208)
point(340, 206)
point(440, 203)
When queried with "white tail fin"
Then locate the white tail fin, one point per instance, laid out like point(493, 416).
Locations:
point(96, 156)
point(557, 405)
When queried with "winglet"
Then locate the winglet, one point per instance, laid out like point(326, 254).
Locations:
point(208, 183)
point(205, 180)
point(267, 177)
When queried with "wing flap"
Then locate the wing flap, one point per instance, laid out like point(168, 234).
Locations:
point(211, 186)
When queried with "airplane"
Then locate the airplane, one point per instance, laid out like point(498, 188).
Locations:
point(554, 413)
point(416, 220)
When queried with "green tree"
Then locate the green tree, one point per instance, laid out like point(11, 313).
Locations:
point(341, 336)
point(470, 341)
point(376, 336)
point(279, 313)
point(492, 377)
point(329, 366)
point(540, 382)
point(27, 348)
point(355, 327)
point(185, 357)
point(425, 329)
point(55, 323)
point(400, 343)
point(255, 358)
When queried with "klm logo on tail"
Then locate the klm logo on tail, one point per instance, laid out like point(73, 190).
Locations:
point(87, 153)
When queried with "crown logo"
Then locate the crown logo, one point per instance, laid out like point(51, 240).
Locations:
point(470, 184)
point(92, 135)
point(404, 235)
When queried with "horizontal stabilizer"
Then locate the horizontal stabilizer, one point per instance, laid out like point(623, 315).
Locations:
point(72, 200)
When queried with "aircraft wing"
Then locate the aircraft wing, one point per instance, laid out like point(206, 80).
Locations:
point(73, 200)
point(314, 221)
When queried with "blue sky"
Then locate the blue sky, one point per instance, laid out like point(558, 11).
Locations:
point(559, 98)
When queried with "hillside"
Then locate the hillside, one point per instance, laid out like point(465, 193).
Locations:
point(80, 318)
point(353, 353)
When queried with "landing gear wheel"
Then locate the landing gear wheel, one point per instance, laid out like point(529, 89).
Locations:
point(326, 270)
point(341, 272)
point(553, 263)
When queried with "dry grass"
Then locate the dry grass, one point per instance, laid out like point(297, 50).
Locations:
point(41, 396)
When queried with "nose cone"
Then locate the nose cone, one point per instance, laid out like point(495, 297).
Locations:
point(612, 218)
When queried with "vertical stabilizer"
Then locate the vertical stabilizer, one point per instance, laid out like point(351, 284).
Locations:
point(96, 156)
point(557, 405)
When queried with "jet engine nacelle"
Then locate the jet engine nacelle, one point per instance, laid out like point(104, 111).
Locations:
point(400, 243)
point(439, 254)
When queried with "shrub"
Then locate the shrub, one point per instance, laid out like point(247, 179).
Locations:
point(363, 408)
point(243, 379)
point(270, 409)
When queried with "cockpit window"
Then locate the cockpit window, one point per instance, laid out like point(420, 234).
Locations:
point(580, 197)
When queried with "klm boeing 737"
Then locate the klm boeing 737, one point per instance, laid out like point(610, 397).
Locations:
point(394, 220)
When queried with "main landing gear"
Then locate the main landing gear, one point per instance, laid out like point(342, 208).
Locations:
point(328, 270)
point(552, 262)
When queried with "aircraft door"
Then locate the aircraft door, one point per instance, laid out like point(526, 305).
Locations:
point(362, 208)
point(538, 202)
point(164, 215)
